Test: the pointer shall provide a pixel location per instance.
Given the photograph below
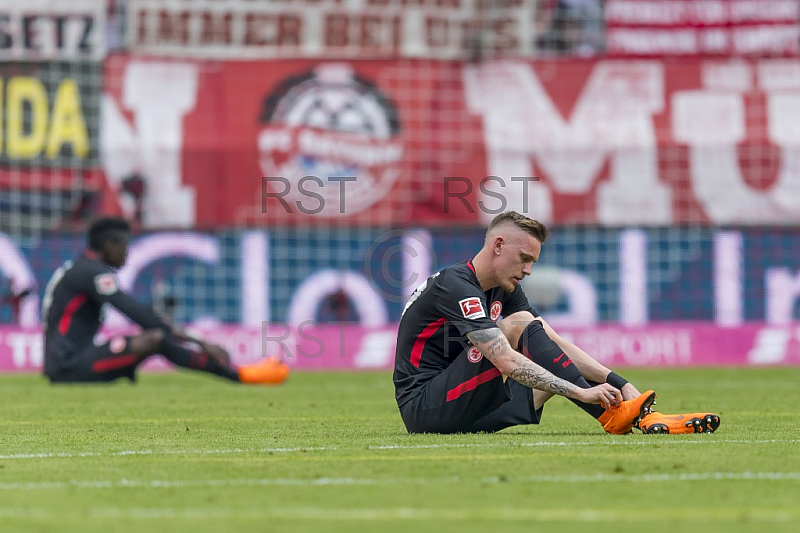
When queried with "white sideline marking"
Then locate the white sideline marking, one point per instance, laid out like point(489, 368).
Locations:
point(682, 514)
point(321, 482)
point(596, 443)
point(649, 478)
point(660, 439)
point(68, 455)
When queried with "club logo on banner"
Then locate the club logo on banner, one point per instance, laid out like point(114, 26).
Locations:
point(332, 136)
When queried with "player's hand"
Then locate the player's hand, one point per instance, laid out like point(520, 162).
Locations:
point(604, 394)
point(217, 352)
point(629, 392)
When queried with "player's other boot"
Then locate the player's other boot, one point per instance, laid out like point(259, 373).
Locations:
point(656, 422)
point(620, 419)
point(268, 371)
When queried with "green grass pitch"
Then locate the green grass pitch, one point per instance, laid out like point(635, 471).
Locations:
point(328, 452)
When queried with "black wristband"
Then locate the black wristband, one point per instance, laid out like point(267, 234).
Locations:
point(615, 380)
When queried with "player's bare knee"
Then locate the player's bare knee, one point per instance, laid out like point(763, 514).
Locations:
point(147, 342)
point(513, 325)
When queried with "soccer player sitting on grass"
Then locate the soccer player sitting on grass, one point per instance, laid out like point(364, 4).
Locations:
point(72, 308)
point(453, 357)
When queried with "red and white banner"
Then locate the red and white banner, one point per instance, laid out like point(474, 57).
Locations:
point(316, 347)
point(647, 142)
point(262, 142)
point(702, 27)
point(244, 29)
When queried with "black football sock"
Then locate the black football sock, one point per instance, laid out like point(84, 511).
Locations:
point(542, 350)
point(180, 356)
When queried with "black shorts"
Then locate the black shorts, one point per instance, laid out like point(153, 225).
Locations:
point(469, 397)
point(107, 362)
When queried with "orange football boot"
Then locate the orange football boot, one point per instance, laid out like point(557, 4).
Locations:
point(269, 371)
point(655, 422)
point(620, 419)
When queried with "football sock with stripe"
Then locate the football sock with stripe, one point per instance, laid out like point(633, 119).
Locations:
point(536, 345)
point(181, 356)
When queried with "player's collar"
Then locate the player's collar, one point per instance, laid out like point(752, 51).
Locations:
point(91, 254)
point(471, 267)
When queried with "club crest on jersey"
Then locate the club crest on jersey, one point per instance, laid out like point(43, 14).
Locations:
point(472, 308)
point(496, 309)
point(105, 284)
point(474, 355)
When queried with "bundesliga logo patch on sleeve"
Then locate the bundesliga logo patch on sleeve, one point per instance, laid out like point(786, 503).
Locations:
point(105, 284)
point(472, 308)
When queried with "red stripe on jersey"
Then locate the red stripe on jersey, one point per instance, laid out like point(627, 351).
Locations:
point(198, 361)
point(422, 338)
point(469, 264)
point(112, 363)
point(471, 384)
point(69, 311)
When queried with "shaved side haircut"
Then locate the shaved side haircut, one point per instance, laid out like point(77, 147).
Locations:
point(532, 227)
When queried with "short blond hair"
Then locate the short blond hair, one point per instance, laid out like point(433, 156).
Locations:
point(532, 227)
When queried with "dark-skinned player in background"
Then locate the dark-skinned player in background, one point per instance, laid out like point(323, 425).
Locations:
point(72, 314)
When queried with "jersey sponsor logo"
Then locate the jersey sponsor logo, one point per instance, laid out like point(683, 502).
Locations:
point(471, 308)
point(474, 355)
point(117, 344)
point(496, 309)
point(105, 284)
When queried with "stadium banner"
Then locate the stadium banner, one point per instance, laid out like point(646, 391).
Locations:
point(52, 30)
point(437, 143)
point(245, 29)
point(254, 143)
point(52, 117)
point(50, 170)
point(711, 27)
point(350, 347)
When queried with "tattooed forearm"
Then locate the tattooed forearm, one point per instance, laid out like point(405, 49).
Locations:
point(491, 342)
point(542, 380)
point(494, 346)
point(497, 347)
point(481, 336)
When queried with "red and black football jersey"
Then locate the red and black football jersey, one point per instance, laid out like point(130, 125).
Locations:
point(72, 305)
point(436, 319)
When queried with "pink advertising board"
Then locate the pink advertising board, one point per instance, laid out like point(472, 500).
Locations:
point(349, 347)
